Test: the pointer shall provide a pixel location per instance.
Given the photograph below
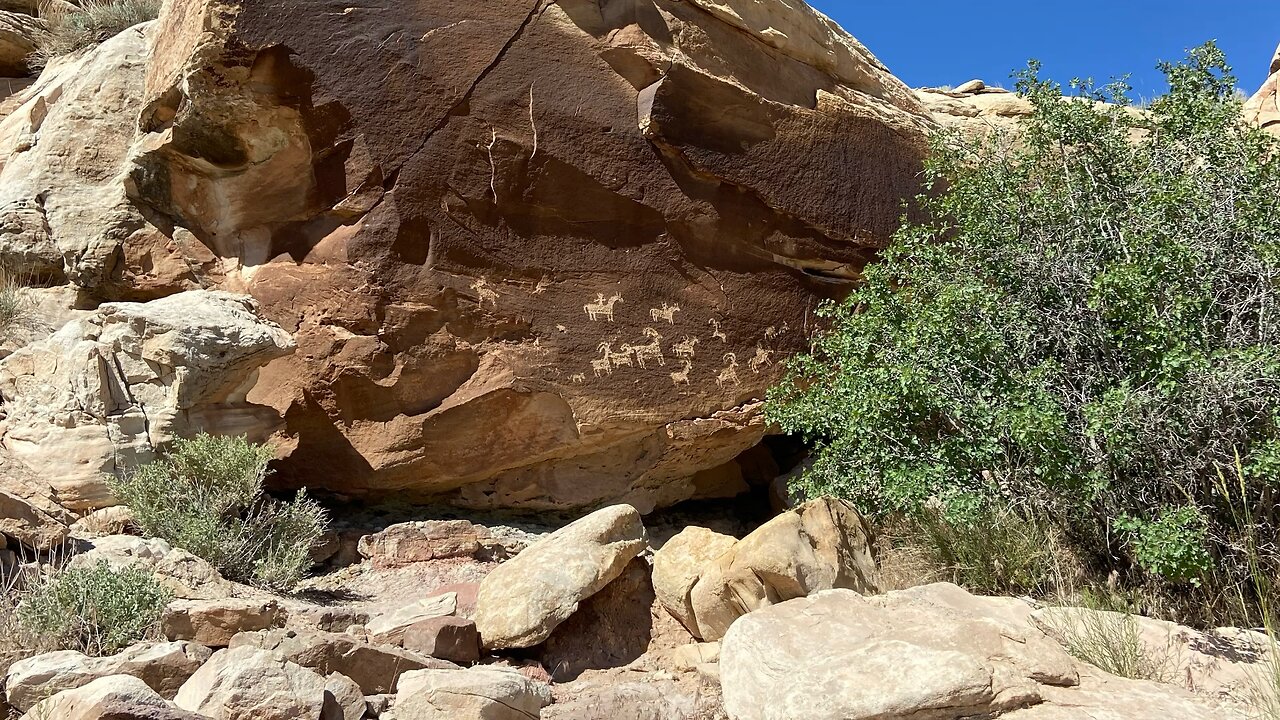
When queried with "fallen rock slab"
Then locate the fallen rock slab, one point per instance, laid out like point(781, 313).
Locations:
point(821, 545)
point(449, 638)
point(215, 622)
point(478, 693)
point(376, 668)
point(389, 628)
point(163, 667)
point(412, 542)
point(678, 565)
point(249, 683)
point(837, 655)
point(29, 511)
point(523, 600)
point(115, 697)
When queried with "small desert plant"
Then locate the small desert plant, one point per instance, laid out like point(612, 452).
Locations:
point(15, 306)
point(96, 609)
point(206, 496)
point(71, 28)
point(1113, 642)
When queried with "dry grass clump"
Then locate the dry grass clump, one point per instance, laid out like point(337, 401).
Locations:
point(71, 28)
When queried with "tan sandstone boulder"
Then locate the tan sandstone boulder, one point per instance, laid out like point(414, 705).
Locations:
point(252, 684)
point(1263, 108)
point(523, 600)
point(374, 667)
point(185, 575)
point(18, 36)
point(679, 563)
point(478, 693)
point(214, 622)
point(115, 697)
point(163, 667)
point(29, 511)
point(820, 545)
point(104, 393)
point(411, 542)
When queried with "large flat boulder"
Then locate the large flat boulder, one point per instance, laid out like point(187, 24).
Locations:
point(249, 683)
point(163, 667)
point(478, 693)
point(523, 600)
point(821, 545)
point(115, 697)
point(103, 393)
point(545, 256)
point(214, 623)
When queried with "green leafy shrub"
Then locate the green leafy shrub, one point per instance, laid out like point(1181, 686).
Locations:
point(94, 21)
point(97, 610)
point(1085, 324)
point(206, 496)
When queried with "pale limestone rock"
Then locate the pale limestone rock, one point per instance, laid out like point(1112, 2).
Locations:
point(104, 393)
point(115, 697)
point(163, 667)
point(478, 693)
point(215, 622)
point(820, 545)
point(253, 684)
point(679, 563)
point(525, 598)
point(838, 655)
point(185, 575)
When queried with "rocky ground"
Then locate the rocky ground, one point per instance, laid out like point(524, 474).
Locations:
point(598, 620)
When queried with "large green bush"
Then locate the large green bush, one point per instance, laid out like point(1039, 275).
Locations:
point(206, 496)
point(1086, 325)
point(97, 609)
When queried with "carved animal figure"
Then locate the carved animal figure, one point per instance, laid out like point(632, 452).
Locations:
point(715, 330)
point(601, 308)
point(604, 364)
point(730, 372)
point(772, 332)
point(483, 292)
point(541, 287)
point(684, 348)
point(760, 360)
point(652, 351)
point(680, 377)
point(666, 312)
point(578, 378)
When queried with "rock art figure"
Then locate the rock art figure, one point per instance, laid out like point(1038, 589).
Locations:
point(666, 312)
point(760, 360)
point(684, 348)
point(602, 308)
point(542, 286)
point(652, 351)
point(578, 378)
point(681, 377)
point(730, 371)
point(604, 364)
point(485, 293)
point(772, 332)
point(715, 330)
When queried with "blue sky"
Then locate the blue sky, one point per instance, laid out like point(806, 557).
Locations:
point(945, 42)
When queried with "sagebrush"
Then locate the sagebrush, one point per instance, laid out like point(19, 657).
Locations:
point(206, 496)
point(97, 610)
point(1084, 326)
point(70, 28)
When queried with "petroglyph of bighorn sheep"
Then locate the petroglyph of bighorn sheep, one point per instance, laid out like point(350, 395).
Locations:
point(772, 332)
point(730, 371)
point(680, 377)
point(484, 292)
point(578, 378)
point(666, 312)
point(541, 287)
point(715, 330)
point(601, 308)
point(684, 348)
point(605, 363)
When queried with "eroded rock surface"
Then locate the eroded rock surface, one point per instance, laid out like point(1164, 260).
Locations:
point(535, 253)
point(104, 393)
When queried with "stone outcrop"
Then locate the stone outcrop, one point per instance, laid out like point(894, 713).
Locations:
point(411, 542)
point(253, 684)
point(821, 545)
point(163, 667)
point(679, 563)
point(523, 600)
point(449, 638)
point(29, 510)
point(18, 35)
point(478, 693)
point(116, 697)
point(534, 253)
point(105, 392)
point(1263, 108)
point(214, 622)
